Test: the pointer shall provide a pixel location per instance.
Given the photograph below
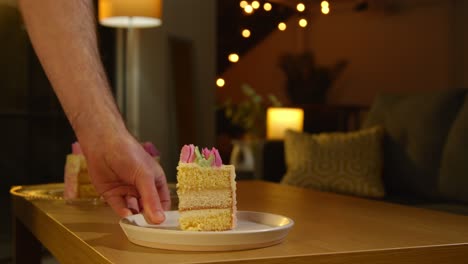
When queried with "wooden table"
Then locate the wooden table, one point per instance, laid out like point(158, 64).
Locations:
point(329, 228)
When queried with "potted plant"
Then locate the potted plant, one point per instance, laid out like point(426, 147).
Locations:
point(250, 116)
point(307, 82)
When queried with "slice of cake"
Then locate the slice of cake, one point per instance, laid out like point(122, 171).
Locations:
point(206, 189)
point(76, 178)
point(77, 181)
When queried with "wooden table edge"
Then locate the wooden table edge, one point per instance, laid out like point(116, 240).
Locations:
point(450, 253)
point(59, 240)
point(68, 247)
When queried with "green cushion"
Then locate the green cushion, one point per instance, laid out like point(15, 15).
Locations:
point(454, 166)
point(416, 127)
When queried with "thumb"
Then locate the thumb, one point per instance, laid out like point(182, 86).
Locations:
point(149, 199)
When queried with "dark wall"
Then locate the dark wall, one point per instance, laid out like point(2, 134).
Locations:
point(35, 135)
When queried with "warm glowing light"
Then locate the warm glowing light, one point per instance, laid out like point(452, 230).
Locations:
point(300, 7)
point(282, 26)
point(325, 10)
point(281, 119)
point(233, 57)
point(248, 9)
point(324, 4)
point(267, 6)
point(303, 22)
point(135, 14)
point(246, 33)
point(243, 4)
point(255, 4)
point(220, 82)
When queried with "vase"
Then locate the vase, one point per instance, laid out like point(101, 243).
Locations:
point(242, 156)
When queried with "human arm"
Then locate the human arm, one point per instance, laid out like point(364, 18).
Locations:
point(63, 34)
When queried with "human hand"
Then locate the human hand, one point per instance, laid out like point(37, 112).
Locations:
point(128, 178)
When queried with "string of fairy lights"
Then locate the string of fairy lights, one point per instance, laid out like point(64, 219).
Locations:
point(249, 8)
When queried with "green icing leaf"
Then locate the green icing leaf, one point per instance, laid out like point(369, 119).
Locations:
point(208, 161)
point(201, 161)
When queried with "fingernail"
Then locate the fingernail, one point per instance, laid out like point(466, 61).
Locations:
point(159, 216)
point(126, 213)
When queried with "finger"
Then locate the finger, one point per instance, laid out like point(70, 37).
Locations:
point(150, 202)
point(163, 191)
point(119, 205)
point(164, 197)
point(132, 204)
point(131, 192)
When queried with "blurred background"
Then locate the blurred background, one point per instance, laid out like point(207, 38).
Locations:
point(207, 75)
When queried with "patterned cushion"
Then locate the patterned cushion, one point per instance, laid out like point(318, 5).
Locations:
point(348, 163)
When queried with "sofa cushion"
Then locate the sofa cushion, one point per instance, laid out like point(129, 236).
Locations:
point(348, 163)
point(416, 127)
point(454, 167)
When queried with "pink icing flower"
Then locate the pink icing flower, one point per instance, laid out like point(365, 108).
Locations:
point(217, 160)
point(76, 148)
point(187, 154)
point(151, 149)
point(206, 153)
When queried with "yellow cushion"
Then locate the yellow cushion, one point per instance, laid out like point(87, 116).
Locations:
point(348, 163)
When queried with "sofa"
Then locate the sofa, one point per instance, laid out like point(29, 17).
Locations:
point(424, 145)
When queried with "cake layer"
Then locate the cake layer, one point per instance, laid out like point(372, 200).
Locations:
point(87, 191)
point(221, 198)
point(83, 163)
point(207, 220)
point(76, 165)
point(193, 177)
point(83, 177)
point(73, 164)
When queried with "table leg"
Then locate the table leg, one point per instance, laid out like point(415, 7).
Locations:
point(26, 247)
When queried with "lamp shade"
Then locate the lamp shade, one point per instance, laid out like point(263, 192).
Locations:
point(128, 13)
point(280, 119)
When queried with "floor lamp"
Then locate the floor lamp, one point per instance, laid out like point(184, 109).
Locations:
point(127, 16)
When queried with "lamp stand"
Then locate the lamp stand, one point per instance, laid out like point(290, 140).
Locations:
point(127, 91)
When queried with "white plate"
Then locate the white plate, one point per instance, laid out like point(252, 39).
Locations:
point(254, 230)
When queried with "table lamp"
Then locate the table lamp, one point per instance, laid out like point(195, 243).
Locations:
point(280, 119)
point(129, 15)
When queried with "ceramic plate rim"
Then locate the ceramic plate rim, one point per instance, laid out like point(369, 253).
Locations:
point(125, 221)
point(268, 229)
